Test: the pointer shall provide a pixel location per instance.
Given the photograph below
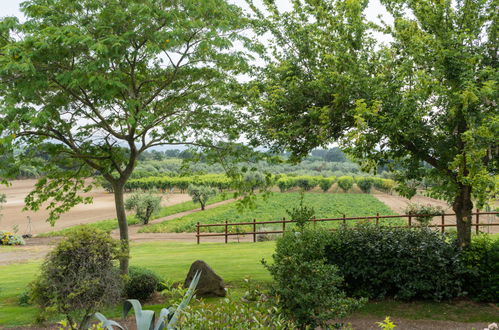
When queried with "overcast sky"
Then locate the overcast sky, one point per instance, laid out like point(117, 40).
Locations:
point(11, 8)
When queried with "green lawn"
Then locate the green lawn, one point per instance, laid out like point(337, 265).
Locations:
point(111, 224)
point(274, 208)
point(170, 260)
point(233, 262)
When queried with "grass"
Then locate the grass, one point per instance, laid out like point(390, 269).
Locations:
point(170, 260)
point(112, 224)
point(274, 208)
point(233, 262)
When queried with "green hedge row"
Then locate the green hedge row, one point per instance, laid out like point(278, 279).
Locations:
point(285, 183)
point(407, 264)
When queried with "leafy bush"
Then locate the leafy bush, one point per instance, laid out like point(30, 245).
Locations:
point(284, 184)
point(78, 277)
point(234, 314)
point(365, 184)
point(8, 238)
point(24, 298)
point(301, 214)
point(141, 283)
point(145, 319)
point(482, 259)
point(427, 212)
point(144, 205)
point(307, 288)
point(345, 183)
point(385, 185)
point(201, 194)
point(397, 262)
point(326, 183)
point(306, 182)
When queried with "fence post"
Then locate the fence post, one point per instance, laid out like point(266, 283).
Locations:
point(443, 223)
point(344, 220)
point(226, 231)
point(410, 221)
point(477, 220)
point(197, 232)
point(254, 230)
point(283, 224)
point(377, 218)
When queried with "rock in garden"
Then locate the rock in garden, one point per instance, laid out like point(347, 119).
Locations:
point(210, 284)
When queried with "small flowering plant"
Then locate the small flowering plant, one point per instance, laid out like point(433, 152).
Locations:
point(8, 238)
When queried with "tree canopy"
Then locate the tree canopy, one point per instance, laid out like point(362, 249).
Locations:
point(96, 83)
point(425, 102)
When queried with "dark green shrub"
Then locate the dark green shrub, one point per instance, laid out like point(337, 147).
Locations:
point(345, 183)
point(306, 182)
point(326, 183)
point(365, 184)
point(78, 277)
point(307, 288)
point(401, 263)
point(24, 298)
point(482, 259)
point(141, 283)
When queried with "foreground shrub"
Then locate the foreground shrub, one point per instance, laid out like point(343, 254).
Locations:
point(145, 319)
point(8, 238)
point(78, 277)
point(235, 314)
point(307, 288)
point(345, 183)
point(402, 263)
point(482, 259)
point(141, 283)
point(425, 212)
point(144, 205)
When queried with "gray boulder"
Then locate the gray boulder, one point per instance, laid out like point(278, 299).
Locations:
point(210, 284)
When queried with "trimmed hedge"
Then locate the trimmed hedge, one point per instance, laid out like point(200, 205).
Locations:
point(378, 262)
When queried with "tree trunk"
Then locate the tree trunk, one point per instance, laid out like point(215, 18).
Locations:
point(123, 225)
point(463, 207)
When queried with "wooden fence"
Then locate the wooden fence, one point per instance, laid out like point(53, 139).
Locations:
point(410, 223)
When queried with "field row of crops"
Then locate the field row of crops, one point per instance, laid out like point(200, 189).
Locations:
point(258, 180)
point(274, 208)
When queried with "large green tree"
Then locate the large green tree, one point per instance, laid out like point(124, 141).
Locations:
point(425, 101)
point(93, 84)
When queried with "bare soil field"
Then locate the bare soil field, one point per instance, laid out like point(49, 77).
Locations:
point(102, 208)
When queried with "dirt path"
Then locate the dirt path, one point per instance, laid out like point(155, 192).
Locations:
point(102, 208)
point(399, 203)
point(133, 231)
point(38, 247)
point(404, 324)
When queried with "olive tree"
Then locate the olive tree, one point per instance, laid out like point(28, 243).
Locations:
point(200, 194)
point(95, 83)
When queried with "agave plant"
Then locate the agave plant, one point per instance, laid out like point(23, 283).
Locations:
point(145, 318)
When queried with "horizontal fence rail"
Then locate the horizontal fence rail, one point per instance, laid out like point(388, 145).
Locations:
point(410, 223)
